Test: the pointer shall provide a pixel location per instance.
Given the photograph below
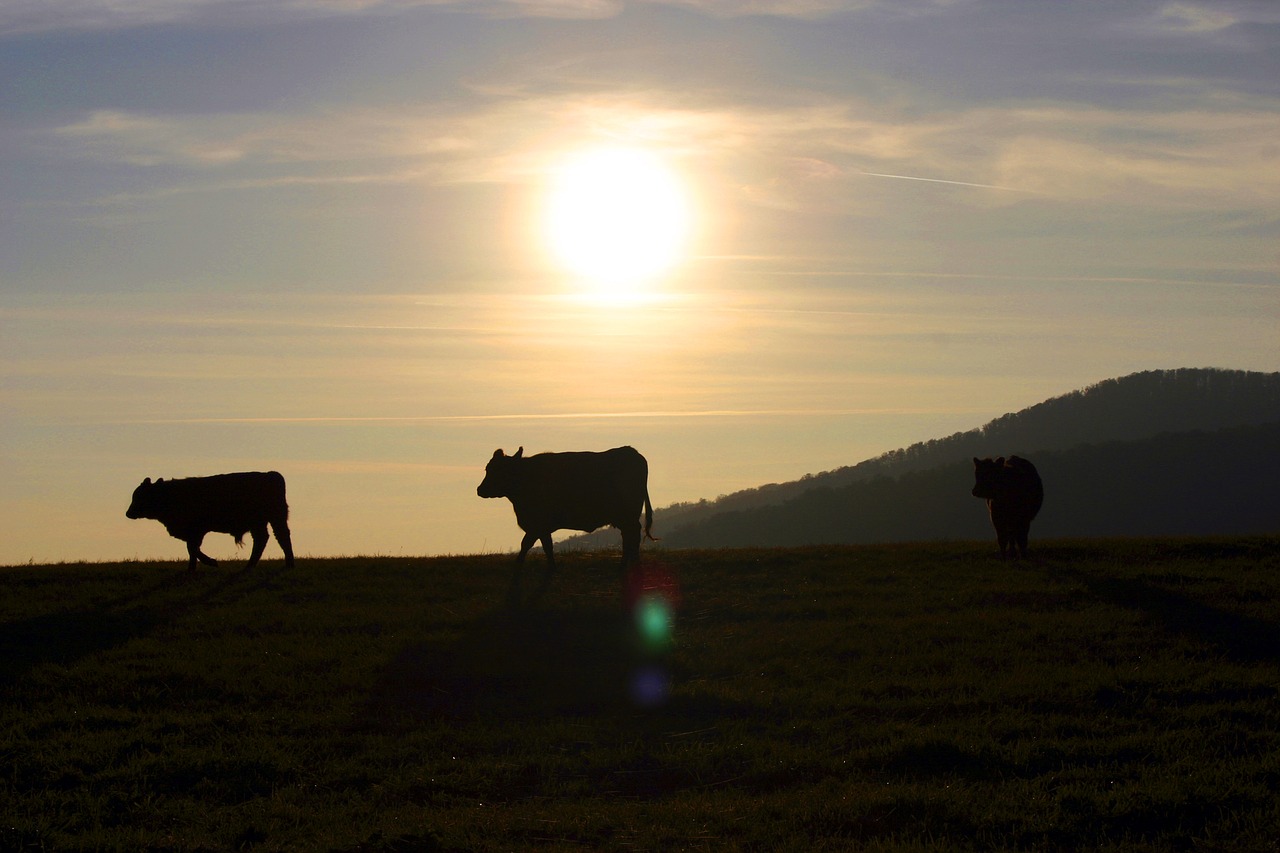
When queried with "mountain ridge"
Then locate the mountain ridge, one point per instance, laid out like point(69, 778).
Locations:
point(1159, 486)
point(1124, 409)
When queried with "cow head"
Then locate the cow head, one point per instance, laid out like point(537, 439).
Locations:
point(145, 500)
point(987, 475)
point(501, 475)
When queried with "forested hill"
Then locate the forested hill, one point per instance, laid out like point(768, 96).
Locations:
point(1141, 405)
point(1189, 483)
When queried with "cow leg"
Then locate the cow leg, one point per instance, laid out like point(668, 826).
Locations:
point(281, 530)
point(194, 552)
point(551, 564)
point(630, 544)
point(259, 535)
point(1004, 540)
point(997, 524)
point(525, 544)
point(1024, 531)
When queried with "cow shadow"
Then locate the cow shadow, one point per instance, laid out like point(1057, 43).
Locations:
point(63, 638)
point(1241, 638)
point(519, 664)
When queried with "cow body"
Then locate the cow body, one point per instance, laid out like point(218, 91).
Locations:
point(572, 491)
point(1014, 493)
point(226, 503)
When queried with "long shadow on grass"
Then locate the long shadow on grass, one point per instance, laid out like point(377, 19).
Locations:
point(66, 637)
point(1242, 638)
point(524, 665)
point(518, 664)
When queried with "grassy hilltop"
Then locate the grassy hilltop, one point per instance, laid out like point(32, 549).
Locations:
point(1111, 694)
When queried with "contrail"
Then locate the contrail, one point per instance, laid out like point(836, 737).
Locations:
point(941, 181)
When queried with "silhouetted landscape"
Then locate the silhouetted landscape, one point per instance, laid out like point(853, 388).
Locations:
point(376, 249)
point(799, 689)
point(1190, 451)
point(1114, 694)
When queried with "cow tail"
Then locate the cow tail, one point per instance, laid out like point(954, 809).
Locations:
point(648, 518)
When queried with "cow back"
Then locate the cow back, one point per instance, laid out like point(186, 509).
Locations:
point(223, 503)
point(580, 490)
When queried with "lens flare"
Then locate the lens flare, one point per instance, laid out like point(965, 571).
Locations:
point(652, 580)
point(652, 596)
point(650, 686)
point(654, 619)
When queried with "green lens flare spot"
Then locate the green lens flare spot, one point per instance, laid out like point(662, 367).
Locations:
point(654, 618)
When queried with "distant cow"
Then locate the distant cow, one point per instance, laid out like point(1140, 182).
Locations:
point(572, 491)
point(1014, 493)
point(226, 503)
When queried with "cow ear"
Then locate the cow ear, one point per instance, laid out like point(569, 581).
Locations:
point(497, 454)
point(1000, 462)
point(519, 452)
point(146, 482)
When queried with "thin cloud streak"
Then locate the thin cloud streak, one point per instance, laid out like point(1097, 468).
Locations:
point(559, 416)
point(1206, 158)
point(1028, 278)
point(38, 16)
point(943, 181)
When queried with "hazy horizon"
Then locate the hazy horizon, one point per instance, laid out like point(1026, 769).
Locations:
point(357, 242)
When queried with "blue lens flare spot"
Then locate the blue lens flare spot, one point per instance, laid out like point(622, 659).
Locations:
point(650, 686)
point(652, 596)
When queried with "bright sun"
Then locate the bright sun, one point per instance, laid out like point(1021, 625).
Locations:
point(616, 217)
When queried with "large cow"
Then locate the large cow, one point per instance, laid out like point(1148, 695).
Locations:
point(226, 503)
point(1014, 493)
point(572, 491)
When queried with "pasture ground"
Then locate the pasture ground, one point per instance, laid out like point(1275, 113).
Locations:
point(1113, 695)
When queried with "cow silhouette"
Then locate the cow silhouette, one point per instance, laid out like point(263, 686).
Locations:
point(1014, 493)
point(225, 503)
point(572, 491)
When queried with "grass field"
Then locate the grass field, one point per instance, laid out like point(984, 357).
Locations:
point(1106, 695)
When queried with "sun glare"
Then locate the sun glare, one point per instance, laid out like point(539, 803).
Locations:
point(616, 218)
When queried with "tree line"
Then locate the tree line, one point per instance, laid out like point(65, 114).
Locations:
point(1137, 406)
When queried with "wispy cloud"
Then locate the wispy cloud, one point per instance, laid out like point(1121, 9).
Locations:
point(788, 157)
point(1198, 158)
point(564, 416)
point(25, 16)
point(212, 141)
point(34, 16)
point(1196, 17)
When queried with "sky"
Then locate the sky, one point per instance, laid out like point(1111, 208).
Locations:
point(368, 242)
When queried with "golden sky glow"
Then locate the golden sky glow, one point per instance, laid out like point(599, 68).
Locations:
point(367, 243)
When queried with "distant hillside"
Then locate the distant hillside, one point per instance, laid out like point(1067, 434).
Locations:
point(1141, 405)
point(1188, 483)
